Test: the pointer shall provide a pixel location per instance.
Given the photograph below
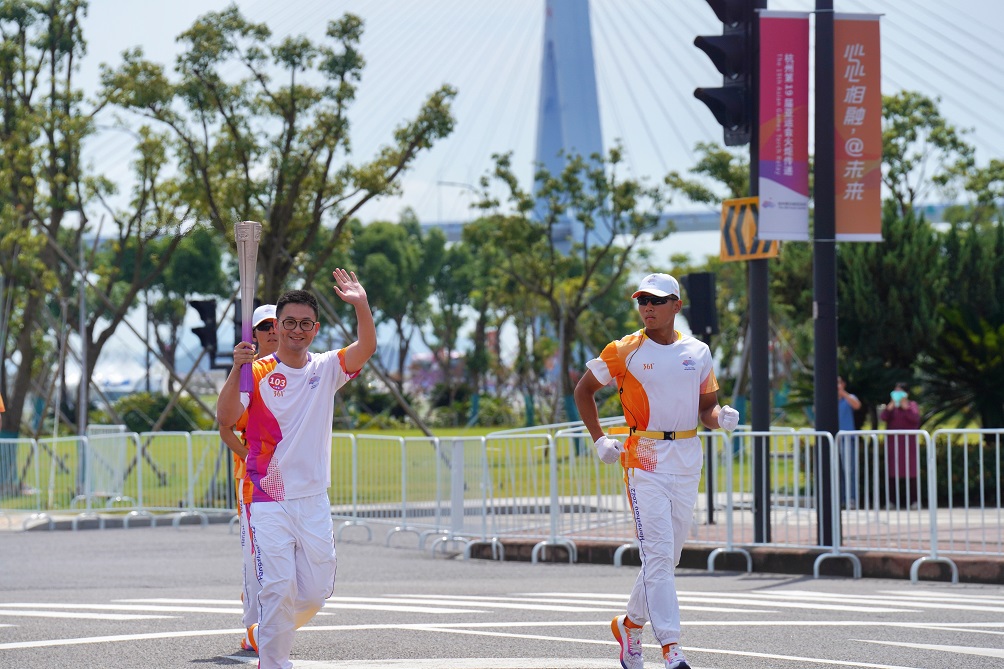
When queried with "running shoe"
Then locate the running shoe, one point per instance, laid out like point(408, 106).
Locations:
point(630, 640)
point(250, 641)
point(675, 658)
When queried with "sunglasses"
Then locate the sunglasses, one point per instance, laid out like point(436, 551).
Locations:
point(305, 324)
point(265, 326)
point(645, 300)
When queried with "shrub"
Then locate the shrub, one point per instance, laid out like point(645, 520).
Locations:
point(140, 412)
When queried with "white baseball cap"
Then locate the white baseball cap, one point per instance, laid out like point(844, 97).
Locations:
point(263, 313)
point(660, 285)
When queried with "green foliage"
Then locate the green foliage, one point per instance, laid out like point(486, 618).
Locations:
point(261, 132)
point(987, 186)
point(968, 473)
point(921, 150)
point(728, 168)
point(963, 367)
point(492, 412)
point(49, 195)
point(140, 412)
point(614, 212)
point(963, 372)
point(364, 397)
point(397, 263)
point(453, 283)
point(889, 293)
point(496, 412)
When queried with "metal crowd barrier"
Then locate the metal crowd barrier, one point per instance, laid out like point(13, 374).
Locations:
point(546, 485)
point(887, 481)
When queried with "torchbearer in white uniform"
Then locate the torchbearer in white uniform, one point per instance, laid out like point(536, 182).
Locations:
point(667, 387)
point(290, 409)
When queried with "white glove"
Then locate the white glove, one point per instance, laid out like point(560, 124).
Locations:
point(608, 449)
point(728, 418)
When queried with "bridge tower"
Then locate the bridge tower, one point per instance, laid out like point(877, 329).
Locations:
point(568, 116)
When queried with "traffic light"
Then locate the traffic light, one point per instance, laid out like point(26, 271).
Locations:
point(700, 308)
point(734, 54)
point(207, 331)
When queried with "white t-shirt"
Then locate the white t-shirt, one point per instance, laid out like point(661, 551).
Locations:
point(660, 389)
point(288, 432)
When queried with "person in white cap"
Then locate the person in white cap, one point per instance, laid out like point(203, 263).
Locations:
point(266, 341)
point(667, 387)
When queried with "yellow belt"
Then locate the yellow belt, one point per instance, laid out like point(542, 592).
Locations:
point(651, 434)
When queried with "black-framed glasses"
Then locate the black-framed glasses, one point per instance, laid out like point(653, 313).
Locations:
point(264, 326)
point(645, 300)
point(304, 323)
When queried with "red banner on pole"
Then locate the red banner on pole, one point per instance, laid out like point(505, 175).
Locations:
point(858, 127)
point(784, 126)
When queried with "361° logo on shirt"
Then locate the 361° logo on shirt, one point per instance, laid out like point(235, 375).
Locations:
point(277, 382)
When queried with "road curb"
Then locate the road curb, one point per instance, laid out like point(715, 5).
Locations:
point(775, 560)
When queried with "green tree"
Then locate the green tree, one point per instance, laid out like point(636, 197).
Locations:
point(963, 365)
point(498, 301)
point(397, 262)
point(889, 294)
point(729, 170)
point(49, 199)
point(41, 130)
point(195, 267)
point(921, 150)
point(986, 184)
point(148, 231)
point(614, 212)
point(452, 285)
point(272, 143)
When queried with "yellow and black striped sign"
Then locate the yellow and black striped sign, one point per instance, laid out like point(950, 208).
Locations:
point(739, 232)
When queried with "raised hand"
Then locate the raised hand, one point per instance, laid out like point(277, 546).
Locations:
point(348, 287)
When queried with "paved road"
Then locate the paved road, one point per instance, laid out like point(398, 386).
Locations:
point(169, 598)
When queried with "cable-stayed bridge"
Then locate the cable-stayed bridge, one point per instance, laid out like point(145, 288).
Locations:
point(646, 68)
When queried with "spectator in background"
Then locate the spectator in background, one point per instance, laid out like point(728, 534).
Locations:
point(2, 410)
point(847, 404)
point(902, 456)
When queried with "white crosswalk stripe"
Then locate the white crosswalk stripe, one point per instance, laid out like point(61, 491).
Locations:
point(492, 621)
point(79, 615)
point(891, 601)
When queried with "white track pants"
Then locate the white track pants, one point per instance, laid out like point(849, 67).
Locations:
point(251, 585)
point(663, 506)
point(295, 550)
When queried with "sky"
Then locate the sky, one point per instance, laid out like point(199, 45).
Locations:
point(646, 67)
point(646, 70)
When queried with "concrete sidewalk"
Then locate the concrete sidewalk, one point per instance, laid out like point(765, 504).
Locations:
point(765, 559)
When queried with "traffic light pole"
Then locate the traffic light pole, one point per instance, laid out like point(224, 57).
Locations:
point(758, 286)
point(736, 54)
point(824, 272)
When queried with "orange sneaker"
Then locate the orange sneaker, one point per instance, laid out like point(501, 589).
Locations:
point(630, 640)
point(250, 640)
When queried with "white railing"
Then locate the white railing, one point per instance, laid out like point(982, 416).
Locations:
point(546, 486)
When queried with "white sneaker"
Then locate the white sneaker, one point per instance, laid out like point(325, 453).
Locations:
point(630, 640)
point(675, 658)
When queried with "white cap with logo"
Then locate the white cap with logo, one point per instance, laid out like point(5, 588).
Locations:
point(660, 285)
point(263, 313)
